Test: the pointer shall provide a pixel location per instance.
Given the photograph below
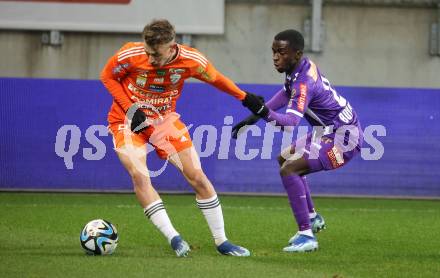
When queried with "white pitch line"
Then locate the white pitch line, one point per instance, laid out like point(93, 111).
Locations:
point(338, 209)
point(123, 206)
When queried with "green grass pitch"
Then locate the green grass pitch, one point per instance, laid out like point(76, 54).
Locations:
point(365, 238)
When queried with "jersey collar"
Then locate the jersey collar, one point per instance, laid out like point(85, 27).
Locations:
point(177, 55)
point(292, 77)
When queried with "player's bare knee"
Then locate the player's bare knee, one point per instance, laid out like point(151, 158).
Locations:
point(280, 160)
point(137, 175)
point(141, 184)
point(289, 169)
point(197, 179)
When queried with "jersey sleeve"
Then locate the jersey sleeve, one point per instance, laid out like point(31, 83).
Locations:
point(299, 98)
point(208, 73)
point(280, 99)
point(296, 106)
point(112, 74)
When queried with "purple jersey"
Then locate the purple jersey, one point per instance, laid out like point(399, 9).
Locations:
point(307, 93)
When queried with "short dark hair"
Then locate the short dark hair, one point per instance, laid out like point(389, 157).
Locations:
point(158, 31)
point(295, 39)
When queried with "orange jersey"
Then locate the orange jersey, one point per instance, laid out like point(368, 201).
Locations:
point(130, 78)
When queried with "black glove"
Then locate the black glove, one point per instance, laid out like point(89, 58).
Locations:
point(138, 118)
point(255, 104)
point(252, 119)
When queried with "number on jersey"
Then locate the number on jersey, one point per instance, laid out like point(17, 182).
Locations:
point(346, 115)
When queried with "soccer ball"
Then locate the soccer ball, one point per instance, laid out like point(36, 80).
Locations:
point(99, 237)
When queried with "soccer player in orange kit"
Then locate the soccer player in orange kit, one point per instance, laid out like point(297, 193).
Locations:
point(145, 80)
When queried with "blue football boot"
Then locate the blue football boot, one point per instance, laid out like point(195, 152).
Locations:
point(180, 246)
point(229, 249)
point(317, 223)
point(301, 243)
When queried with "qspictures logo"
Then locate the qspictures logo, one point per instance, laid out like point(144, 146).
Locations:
point(210, 140)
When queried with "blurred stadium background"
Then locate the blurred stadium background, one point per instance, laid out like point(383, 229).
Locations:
point(383, 55)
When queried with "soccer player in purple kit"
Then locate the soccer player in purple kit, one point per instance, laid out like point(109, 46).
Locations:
point(336, 137)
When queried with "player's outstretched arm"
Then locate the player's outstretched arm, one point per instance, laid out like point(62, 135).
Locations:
point(223, 83)
point(257, 106)
point(253, 102)
point(237, 129)
point(279, 100)
point(295, 103)
point(210, 75)
point(283, 120)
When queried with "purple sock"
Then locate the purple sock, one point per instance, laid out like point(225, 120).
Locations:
point(294, 186)
point(310, 204)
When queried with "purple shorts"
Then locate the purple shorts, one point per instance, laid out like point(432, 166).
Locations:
point(329, 151)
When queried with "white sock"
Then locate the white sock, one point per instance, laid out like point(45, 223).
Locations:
point(212, 210)
point(312, 215)
point(158, 215)
point(307, 233)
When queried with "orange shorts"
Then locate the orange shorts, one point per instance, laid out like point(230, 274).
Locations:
point(166, 142)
